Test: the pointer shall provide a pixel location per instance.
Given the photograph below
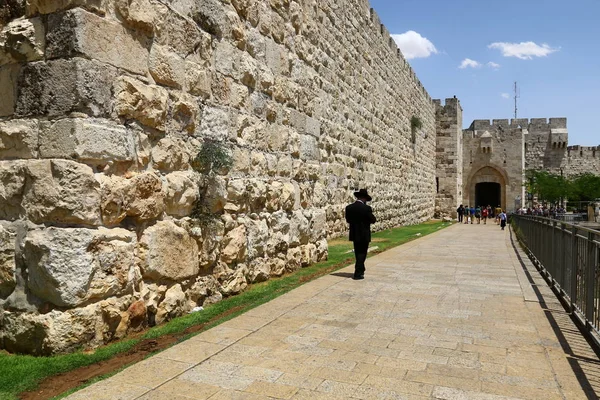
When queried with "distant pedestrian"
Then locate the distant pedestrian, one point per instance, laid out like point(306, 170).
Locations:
point(484, 215)
point(502, 217)
point(461, 212)
point(360, 217)
point(472, 213)
point(478, 214)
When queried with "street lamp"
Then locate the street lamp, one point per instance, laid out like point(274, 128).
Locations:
point(561, 193)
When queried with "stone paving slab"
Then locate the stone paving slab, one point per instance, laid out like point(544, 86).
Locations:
point(453, 315)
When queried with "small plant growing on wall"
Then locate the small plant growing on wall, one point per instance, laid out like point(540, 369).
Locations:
point(213, 158)
point(415, 125)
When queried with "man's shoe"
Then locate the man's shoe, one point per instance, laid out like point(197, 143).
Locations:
point(357, 278)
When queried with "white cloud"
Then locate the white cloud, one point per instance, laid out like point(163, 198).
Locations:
point(493, 65)
point(413, 45)
point(468, 63)
point(523, 50)
point(505, 95)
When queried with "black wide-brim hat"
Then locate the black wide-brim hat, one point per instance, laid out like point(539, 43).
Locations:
point(362, 193)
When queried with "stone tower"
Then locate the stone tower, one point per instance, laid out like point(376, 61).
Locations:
point(449, 156)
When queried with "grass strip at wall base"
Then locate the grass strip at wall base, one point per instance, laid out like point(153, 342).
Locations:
point(20, 373)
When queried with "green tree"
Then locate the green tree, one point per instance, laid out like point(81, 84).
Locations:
point(585, 187)
point(547, 186)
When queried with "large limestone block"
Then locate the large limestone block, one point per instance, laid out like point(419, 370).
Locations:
point(19, 139)
point(237, 191)
point(78, 32)
point(139, 14)
point(184, 112)
point(58, 87)
point(215, 123)
point(166, 67)
point(7, 262)
point(92, 141)
point(12, 185)
point(318, 225)
point(258, 238)
point(61, 191)
point(211, 17)
point(72, 330)
point(8, 88)
point(181, 194)
point(114, 252)
point(198, 80)
point(290, 196)
point(147, 104)
point(52, 333)
point(140, 197)
point(215, 197)
point(259, 270)
point(59, 266)
point(309, 148)
point(34, 7)
point(236, 282)
point(22, 40)
point(299, 228)
point(68, 267)
point(168, 253)
point(172, 305)
point(183, 36)
point(234, 246)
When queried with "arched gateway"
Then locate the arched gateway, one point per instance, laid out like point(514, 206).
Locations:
point(487, 186)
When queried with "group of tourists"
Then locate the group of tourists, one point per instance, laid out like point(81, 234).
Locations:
point(468, 215)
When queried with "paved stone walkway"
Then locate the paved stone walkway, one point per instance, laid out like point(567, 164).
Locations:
point(453, 315)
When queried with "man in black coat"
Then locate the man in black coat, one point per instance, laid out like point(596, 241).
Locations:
point(360, 217)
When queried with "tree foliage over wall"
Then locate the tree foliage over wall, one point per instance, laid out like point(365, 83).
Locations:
point(552, 188)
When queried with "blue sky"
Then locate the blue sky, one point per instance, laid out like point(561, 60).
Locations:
point(550, 47)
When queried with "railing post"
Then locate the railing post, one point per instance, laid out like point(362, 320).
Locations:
point(574, 255)
point(550, 256)
point(590, 278)
point(563, 258)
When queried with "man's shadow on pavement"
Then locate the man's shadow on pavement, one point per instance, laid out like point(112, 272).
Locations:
point(344, 274)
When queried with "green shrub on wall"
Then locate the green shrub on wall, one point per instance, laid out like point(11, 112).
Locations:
point(415, 125)
point(212, 158)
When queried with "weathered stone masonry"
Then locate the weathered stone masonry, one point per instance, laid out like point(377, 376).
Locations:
point(105, 103)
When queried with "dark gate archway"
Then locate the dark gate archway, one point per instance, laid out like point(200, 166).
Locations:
point(488, 194)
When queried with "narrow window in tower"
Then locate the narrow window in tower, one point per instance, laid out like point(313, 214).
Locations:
point(437, 184)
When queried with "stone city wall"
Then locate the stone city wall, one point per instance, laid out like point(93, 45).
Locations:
point(105, 105)
point(581, 159)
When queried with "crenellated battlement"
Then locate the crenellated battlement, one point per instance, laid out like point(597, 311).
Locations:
point(451, 104)
point(583, 151)
point(533, 124)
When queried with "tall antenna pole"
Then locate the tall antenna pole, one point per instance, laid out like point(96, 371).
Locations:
point(517, 96)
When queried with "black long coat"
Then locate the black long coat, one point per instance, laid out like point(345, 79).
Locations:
point(360, 217)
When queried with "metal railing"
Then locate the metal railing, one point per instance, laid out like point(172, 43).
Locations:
point(570, 218)
point(569, 256)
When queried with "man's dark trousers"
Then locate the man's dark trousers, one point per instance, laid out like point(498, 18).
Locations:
point(360, 252)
